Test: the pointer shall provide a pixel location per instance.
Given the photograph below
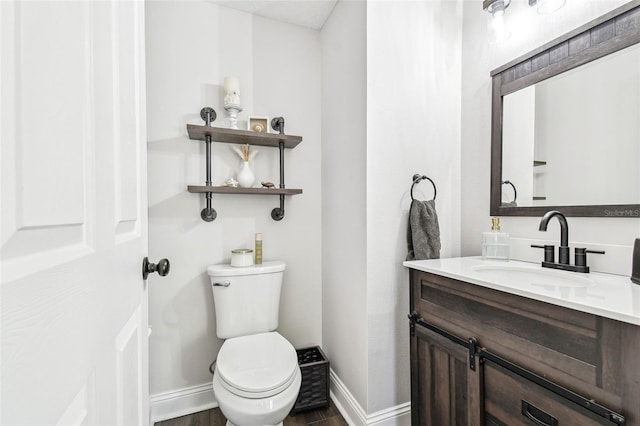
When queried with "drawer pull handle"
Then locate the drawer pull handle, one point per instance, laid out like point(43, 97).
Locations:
point(537, 416)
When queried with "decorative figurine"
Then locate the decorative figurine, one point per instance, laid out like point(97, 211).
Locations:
point(232, 100)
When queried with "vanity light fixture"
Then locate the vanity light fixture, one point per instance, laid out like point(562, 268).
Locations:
point(546, 7)
point(497, 28)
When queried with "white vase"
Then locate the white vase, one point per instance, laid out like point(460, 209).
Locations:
point(245, 176)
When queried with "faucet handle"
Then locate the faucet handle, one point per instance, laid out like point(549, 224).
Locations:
point(581, 255)
point(549, 252)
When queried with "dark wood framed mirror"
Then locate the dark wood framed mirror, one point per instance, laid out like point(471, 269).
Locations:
point(565, 125)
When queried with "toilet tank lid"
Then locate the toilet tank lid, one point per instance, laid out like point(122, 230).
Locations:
point(226, 270)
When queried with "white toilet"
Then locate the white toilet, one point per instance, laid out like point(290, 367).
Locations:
point(257, 379)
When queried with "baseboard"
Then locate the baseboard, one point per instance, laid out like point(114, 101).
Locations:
point(344, 401)
point(355, 415)
point(181, 402)
point(190, 400)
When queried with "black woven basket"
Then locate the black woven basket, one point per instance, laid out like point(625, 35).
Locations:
point(314, 391)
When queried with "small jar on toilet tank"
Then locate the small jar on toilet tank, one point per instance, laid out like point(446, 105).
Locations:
point(241, 257)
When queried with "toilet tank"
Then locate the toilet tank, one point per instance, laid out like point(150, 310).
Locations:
point(246, 299)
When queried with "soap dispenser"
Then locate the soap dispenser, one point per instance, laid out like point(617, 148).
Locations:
point(495, 244)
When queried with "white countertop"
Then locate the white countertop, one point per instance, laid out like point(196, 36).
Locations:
point(606, 295)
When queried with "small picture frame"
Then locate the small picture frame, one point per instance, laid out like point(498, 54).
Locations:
point(258, 124)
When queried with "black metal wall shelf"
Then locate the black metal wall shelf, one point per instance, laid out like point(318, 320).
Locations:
point(210, 134)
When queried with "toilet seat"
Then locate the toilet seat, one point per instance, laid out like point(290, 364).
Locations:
point(257, 366)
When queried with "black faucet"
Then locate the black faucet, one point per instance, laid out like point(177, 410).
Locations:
point(563, 250)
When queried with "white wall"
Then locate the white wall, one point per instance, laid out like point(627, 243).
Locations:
point(408, 84)
point(189, 52)
point(344, 195)
point(413, 126)
point(569, 117)
point(529, 30)
point(518, 127)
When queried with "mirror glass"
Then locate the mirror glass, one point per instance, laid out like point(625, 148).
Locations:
point(574, 139)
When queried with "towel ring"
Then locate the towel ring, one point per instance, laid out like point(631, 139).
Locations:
point(416, 179)
point(515, 193)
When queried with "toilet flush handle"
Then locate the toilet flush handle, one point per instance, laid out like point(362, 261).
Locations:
point(225, 283)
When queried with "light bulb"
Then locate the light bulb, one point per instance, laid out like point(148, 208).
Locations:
point(498, 30)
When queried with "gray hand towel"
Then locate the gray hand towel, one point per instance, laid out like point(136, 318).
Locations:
point(423, 231)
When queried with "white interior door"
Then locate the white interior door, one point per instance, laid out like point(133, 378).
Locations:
point(74, 213)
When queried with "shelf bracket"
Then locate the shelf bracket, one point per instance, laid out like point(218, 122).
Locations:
point(278, 213)
point(208, 214)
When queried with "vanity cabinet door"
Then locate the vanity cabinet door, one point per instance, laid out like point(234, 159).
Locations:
point(444, 389)
point(514, 401)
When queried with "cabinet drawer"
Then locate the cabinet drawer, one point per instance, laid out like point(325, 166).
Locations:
point(511, 400)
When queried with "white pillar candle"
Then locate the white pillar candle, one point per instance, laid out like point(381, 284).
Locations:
point(231, 91)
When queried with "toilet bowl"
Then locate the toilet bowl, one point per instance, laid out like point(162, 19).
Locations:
point(257, 379)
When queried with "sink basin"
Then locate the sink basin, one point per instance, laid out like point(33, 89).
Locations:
point(535, 276)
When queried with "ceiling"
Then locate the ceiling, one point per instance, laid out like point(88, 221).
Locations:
point(307, 13)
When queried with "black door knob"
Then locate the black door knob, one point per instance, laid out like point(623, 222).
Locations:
point(162, 268)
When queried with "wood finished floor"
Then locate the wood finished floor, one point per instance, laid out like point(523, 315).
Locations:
point(329, 416)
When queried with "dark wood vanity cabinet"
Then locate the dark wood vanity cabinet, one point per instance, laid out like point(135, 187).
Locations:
point(456, 382)
point(442, 385)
